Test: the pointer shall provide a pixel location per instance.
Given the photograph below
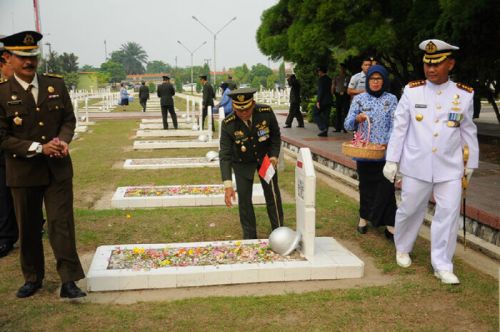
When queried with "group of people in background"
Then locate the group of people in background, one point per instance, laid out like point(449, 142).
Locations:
point(426, 135)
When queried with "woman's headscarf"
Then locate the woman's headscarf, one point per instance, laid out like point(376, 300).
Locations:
point(385, 75)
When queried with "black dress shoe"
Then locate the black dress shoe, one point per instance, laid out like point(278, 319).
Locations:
point(362, 229)
point(5, 249)
point(389, 235)
point(287, 126)
point(300, 126)
point(323, 134)
point(70, 290)
point(28, 289)
point(337, 131)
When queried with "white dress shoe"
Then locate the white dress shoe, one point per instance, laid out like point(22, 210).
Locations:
point(447, 277)
point(403, 259)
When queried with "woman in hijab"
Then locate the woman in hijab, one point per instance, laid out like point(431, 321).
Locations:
point(226, 101)
point(376, 105)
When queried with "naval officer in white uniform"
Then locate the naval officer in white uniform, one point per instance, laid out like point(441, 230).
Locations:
point(432, 127)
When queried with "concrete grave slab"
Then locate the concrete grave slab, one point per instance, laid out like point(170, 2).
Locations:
point(170, 133)
point(174, 144)
point(162, 163)
point(330, 261)
point(178, 195)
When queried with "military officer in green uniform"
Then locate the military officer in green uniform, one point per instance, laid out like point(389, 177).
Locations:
point(247, 135)
point(36, 126)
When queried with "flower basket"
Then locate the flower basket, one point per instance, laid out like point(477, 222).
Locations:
point(360, 146)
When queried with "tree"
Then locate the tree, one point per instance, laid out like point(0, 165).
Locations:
point(241, 73)
point(115, 70)
point(132, 56)
point(89, 68)
point(68, 62)
point(314, 32)
point(258, 76)
point(282, 75)
point(156, 67)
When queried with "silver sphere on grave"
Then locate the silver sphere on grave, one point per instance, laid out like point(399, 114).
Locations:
point(284, 240)
point(212, 155)
point(195, 127)
point(203, 138)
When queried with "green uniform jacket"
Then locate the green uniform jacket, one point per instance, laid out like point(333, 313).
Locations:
point(22, 123)
point(243, 148)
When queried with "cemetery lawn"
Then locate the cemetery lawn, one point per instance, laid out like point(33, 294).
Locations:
point(413, 300)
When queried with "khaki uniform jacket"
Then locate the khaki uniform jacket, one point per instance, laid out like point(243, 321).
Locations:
point(22, 123)
point(243, 148)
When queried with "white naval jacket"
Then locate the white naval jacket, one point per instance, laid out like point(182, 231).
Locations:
point(422, 142)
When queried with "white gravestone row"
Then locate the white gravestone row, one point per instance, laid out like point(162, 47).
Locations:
point(325, 258)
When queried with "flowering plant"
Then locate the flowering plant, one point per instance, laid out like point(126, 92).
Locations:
point(174, 190)
point(140, 258)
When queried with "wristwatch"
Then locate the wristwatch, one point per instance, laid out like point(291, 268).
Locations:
point(39, 148)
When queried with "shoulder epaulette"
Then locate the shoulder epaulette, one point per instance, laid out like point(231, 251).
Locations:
point(4, 80)
point(53, 75)
point(414, 84)
point(465, 87)
point(229, 118)
point(263, 108)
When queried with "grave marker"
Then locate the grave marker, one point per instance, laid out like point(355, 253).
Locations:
point(305, 197)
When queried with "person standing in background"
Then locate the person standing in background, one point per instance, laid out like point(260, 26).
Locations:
point(324, 101)
point(166, 94)
point(207, 100)
point(294, 111)
point(358, 81)
point(123, 96)
point(339, 89)
point(8, 226)
point(226, 101)
point(143, 95)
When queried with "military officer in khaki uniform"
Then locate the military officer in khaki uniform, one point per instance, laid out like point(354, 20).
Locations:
point(247, 135)
point(432, 126)
point(36, 125)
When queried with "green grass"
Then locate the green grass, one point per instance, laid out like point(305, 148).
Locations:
point(414, 300)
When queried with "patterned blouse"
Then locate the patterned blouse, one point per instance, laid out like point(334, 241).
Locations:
point(380, 111)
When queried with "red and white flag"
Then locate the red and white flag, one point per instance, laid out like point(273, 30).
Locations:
point(266, 170)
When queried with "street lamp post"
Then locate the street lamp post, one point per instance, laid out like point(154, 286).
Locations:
point(215, 39)
point(191, 53)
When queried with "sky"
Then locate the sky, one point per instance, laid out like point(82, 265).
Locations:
point(82, 26)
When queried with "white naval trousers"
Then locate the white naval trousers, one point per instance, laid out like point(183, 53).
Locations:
point(415, 195)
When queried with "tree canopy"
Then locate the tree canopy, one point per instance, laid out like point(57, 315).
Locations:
point(315, 32)
point(132, 56)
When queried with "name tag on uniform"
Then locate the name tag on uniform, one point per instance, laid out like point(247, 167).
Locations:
point(420, 106)
point(14, 102)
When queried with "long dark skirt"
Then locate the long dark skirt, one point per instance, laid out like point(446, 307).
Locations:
point(377, 198)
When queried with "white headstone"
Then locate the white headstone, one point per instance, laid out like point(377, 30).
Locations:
point(305, 197)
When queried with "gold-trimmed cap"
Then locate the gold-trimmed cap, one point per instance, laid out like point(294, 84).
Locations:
point(436, 51)
point(242, 98)
point(23, 43)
